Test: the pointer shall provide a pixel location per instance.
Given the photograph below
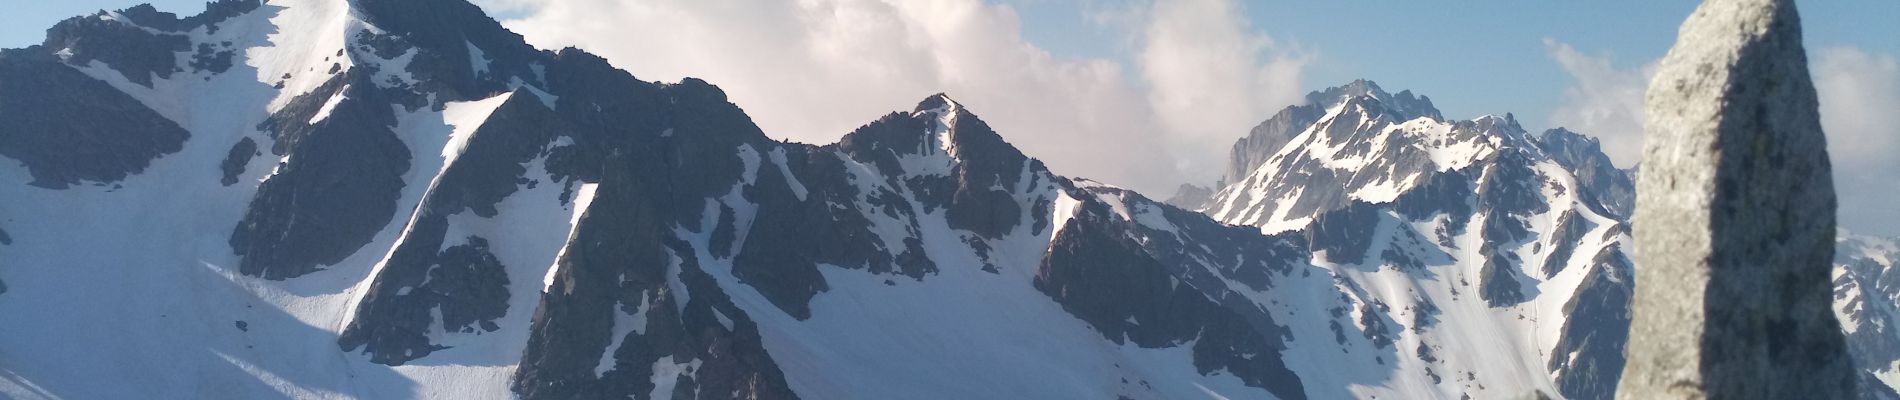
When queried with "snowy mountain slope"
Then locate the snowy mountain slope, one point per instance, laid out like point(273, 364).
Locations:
point(1867, 301)
point(388, 199)
point(1471, 247)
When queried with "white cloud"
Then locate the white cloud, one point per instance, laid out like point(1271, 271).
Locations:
point(1860, 110)
point(1212, 77)
point(1602, 101)
point(813, 70)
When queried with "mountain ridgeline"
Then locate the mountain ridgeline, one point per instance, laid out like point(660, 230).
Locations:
point(401, 198)
point(380, 198)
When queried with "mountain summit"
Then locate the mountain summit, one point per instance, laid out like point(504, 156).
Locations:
point(387, 199)
point(1465, 246)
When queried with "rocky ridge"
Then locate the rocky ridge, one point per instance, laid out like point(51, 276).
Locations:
point(452, 213)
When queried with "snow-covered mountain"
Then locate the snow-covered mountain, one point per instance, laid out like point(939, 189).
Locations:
point(1487, 259)
point(1516, 244)
point(1867, 301)
point(400, 198)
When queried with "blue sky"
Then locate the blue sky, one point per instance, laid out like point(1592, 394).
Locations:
point(1472, 57)
point(1148, 94)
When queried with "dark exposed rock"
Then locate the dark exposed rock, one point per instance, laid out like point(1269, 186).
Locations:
point(464, 281)
point(1588, 358)
point(617, 243)
point(1404, 105)
point(1872, 388)
point(659, 152)
point(791, 236)
point(74, 128)
point(495, 159)
point(1372, 315)
point(1272, 135)
point(1509, 193)
point(1449, 193)
point(337, 190)
point(456, 32)
point(215, 11)
point(1105, 279)
point(1412, 251)
point(134, 52)
point(211, 59)
point(1569, 233)
point(471, 286)
point(1864, 292)
point(880, 142)
point(235, 160)
point(1609, 191)
point(1345, 234)
point(779, 256)
point(1269, 137)
point(619, 261)
point(987, 170)
point(666, 159)
point(725, 232)
point(1424, 316)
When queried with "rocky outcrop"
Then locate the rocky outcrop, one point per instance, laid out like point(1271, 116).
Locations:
point(1270, 136)
point(1134, 290)
point(456, 276)
point(1735, 219)
point(337, 186)
point(1190, 196)
point(68, 128)
point(1588, 358)
point(1612, 190)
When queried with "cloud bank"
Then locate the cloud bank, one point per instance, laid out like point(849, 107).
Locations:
point(1602, 100)
point(813, 70)
point(1860, 110)
point(1207, 87)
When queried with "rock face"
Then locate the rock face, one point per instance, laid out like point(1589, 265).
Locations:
point(1271, 135)
point(74, 129)
point(1190, 196)
point(1613, 189)
point(1867, 302)
point(1735, 219)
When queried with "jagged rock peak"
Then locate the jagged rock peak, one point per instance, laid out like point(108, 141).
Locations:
point(1191, 196)
point(938, 103)
point(1506, 125)
point(215, 11)
point(1404, 103)
point(1273, 134)
point(1610, 189)
point(1562, 134)
point(950, 126)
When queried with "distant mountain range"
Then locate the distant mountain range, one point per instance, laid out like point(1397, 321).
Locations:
point(401, 198)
